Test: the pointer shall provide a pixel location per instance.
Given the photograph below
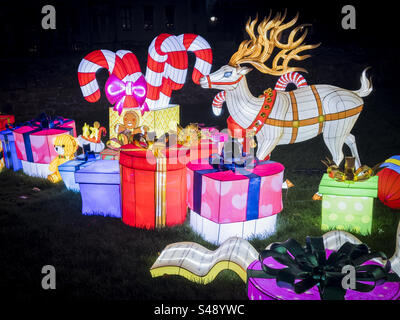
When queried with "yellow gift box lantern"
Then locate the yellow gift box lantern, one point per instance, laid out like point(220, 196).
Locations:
point(160, 121)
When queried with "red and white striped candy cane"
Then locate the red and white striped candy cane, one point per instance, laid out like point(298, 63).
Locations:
point(88, 67)
point(202, 50)
point(166, 68)
point(218, 101)
point(167, 65)
point(292, 77)
point(132, 73)
point(123, 64)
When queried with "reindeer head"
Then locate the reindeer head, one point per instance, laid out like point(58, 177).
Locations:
point(259, 49)
point(226, 78)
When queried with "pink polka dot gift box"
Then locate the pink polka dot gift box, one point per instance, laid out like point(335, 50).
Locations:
point(225, 203)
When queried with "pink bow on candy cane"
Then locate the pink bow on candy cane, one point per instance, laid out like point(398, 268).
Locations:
point(117, 91)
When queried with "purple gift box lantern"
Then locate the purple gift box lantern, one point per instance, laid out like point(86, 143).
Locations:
point(99, 184)
point(287, 271)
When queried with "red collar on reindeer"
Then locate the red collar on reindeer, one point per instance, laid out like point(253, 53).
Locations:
point(269, 100)
point(236, 131)
point(265, 111)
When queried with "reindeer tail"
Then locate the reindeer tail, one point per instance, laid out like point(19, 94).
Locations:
point(366, 85)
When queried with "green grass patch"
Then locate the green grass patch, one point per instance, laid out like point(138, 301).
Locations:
point(101, 258)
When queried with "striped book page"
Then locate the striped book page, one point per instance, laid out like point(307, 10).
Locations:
point(198, 264)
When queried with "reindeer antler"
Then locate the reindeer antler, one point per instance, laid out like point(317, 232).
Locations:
point(259, 49)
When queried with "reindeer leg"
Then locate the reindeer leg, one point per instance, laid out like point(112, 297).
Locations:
point(351, 143)
point(335, 146)
point(265, 150)
point(267, 139)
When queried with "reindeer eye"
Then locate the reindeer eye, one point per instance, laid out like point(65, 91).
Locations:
point(227, 74)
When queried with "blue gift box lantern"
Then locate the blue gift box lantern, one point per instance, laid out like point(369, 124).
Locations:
point(10, 153)
point(68, 169)
point(99, 183)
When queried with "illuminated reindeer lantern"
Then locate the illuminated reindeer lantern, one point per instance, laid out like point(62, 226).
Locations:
point(279, 117)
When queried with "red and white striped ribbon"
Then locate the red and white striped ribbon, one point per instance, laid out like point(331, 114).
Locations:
point(292, 77)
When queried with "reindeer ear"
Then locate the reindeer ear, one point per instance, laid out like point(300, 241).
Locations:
point(243, 70)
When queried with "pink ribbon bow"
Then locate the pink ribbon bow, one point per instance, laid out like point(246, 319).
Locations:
point(117, 91)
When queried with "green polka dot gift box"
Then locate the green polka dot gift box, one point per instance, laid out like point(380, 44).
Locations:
point(348, 205)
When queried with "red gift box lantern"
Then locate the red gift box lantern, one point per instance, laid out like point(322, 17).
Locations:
point(153, 189)
point(203, 149)
point(6, 119)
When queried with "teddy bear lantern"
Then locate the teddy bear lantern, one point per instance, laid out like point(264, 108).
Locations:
point(66, 146)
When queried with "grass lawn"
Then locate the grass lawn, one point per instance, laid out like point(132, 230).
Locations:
point(101, 258)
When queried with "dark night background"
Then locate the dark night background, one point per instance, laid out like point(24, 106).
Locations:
point(39, 73)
